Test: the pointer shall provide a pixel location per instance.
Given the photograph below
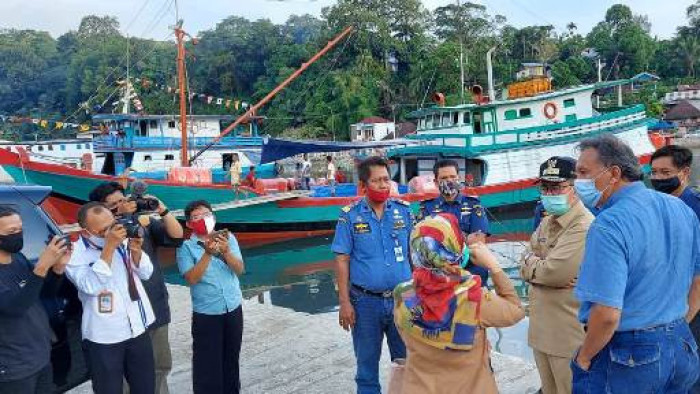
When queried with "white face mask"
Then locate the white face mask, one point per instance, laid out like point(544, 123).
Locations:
point(97, 241)
point(210, 223)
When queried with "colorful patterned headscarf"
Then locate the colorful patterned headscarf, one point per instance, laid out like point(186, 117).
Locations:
point(440, 306)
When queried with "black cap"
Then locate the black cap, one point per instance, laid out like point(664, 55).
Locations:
point(558, 169)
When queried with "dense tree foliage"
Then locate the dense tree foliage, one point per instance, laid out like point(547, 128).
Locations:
point(398, 55)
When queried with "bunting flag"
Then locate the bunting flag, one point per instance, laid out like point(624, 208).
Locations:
point(209, 99)
point(219, 101)
point(43, 123)
point(228, 103)
point(58, 125)
point(84, 127)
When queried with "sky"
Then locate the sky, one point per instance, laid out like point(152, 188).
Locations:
point(153, 18)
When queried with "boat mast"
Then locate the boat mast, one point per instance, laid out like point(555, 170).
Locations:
point(274, 92)
point(180, 36)
point(461, 53)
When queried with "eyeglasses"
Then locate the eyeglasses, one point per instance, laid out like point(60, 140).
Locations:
point(202, 216)
point(554, 189)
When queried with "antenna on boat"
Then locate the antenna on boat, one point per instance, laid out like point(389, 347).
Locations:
point(461, 55)
point(254, 108)
point(180, 37)
point(127, 87)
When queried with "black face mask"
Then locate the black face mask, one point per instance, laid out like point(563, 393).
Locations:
point(667, 186)
point(12, 243)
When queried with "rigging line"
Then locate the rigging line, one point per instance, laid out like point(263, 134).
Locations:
point(427, 88)
point(138, 13)
point(489, 213)
point(162, 12)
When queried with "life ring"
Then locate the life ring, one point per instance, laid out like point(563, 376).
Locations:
point(550, 110)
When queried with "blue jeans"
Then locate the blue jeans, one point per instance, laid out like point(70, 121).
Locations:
point(661, 359)
point(374, 318)
point(695, 329)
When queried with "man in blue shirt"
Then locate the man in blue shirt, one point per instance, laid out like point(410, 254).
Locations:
point(639, 282)
point(372, 256)
point(670, 173)
point(468, 210)
point(211, 263)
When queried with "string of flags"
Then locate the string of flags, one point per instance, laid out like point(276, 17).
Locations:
point(46, 123)
point(232, 103)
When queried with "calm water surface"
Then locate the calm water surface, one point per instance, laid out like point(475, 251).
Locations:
point(298, 274)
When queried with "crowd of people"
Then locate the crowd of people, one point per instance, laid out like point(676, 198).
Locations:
point(613, 268)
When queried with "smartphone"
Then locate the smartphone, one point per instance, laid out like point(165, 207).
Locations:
point(65, 237)
point(220, 232)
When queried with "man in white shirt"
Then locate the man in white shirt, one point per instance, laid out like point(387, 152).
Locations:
point(330, 174)
point(107, 269)
point(306, 173)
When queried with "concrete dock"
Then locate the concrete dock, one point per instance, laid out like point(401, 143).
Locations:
point(292, 352)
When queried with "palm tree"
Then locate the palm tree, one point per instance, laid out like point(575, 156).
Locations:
point(689, 48)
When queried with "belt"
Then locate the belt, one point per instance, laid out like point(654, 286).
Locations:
point(383, 294)
point(658, 327)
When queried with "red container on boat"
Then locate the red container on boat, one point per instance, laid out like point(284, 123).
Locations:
point(191, 175)
point(275, 185)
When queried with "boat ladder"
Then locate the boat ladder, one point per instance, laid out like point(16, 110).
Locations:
point(246, 202)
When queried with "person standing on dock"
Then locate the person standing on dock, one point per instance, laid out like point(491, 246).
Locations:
point(372, 256)
point(670, 173)
point(550, 266)
point(306, 173)
point(330, 174)
point(211, 262)
point(639, 282)
point(468, 210)
point(162, 230)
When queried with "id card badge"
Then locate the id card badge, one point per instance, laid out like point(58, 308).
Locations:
point(105, 302)
point(398, 252)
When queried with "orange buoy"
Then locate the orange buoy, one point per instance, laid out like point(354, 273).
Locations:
point(550, 110)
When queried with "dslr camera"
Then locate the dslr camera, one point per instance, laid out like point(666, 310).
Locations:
point(143, 203)
point(132, 226)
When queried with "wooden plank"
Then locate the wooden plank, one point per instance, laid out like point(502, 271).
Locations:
point(252, 201)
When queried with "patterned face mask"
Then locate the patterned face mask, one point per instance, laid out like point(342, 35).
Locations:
point(449, 189)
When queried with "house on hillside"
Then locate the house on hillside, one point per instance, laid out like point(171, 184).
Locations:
point(373, 128)
point(402, 130)
point(685, 114)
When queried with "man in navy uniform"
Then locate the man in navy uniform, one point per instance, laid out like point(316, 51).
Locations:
point(467, 209)
point(670, 173)
point(372, 256)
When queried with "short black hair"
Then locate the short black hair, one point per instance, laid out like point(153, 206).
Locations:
point(365, 168)
point(8, 210)
point(104, 190)
point(251, 168)
point(194, 205)
point(442, 163)
point(612, 151)
point(92, 206)
point(329, 157)
point(681, 157)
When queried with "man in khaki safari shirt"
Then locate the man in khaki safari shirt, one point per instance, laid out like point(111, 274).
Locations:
point(551, 267)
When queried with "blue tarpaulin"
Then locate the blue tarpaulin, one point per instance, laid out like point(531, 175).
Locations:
point(277, 149)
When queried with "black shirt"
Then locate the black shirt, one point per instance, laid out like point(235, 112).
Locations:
point(156, 236)
point(25, 335)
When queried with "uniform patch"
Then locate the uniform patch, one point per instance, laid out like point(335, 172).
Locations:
point(402, 202)
point(479, 210)
point(346, 208)
point(399, 224)
point(342, 219)
point(361, 228)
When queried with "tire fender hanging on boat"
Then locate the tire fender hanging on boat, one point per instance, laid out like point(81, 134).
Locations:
point(550, 110)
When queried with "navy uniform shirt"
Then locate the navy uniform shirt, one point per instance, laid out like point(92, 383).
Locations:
point(540, 213)
point(691, 198)
point(378, 248)
point(470, 214)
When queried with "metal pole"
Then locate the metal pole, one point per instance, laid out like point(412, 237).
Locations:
point(274, 92)
point(180, 35)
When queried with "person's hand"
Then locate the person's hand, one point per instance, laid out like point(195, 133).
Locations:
point(481, 256)
point(115, 236)
point(161, 206)
point(222, 243)
point(54, 252)
point(476, 237)
point(136, 245)
point(582, 362)
point(211, 246)
point(571, 284)
point(60, 267)
point(346, 316)
point(525, 257)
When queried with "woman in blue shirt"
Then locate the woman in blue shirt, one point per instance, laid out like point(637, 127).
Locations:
point(211, 263)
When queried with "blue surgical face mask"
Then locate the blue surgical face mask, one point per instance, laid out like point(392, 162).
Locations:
point(557, 204)
point(589, 194)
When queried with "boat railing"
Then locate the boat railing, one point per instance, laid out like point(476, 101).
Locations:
point(116, 142)
point(475, 143)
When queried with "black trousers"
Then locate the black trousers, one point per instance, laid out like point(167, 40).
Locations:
point(39, 383)
point(111, 364)
point(216, 347)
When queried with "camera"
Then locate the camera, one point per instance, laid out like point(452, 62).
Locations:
point(132, 226)
point(143, 203)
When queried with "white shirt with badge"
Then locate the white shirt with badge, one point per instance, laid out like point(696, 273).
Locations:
point(109, 314)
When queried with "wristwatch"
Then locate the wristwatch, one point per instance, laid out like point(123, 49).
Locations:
point(165, 212)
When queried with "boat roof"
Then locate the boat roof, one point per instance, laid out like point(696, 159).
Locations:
point(500, 103)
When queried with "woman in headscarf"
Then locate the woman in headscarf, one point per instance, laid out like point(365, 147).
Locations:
point(442, 314)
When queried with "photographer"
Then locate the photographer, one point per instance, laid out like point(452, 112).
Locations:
point(105, 268)
point(211, 262)
point(25, 335)
point(166, 232)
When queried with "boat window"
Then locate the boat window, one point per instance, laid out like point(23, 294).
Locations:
point(169, 157)
point(87, 146)
point(50, 147)
point(147, 158)
point(446, 118)
point(570, 118)
point(63, 147)
point(79, 146)
point(511, 114)
point(466, 117)
point(154, 124)
point(525, 112)
point(569, 103)
point(41, 148)
point(455, 118)
point(171, 124)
